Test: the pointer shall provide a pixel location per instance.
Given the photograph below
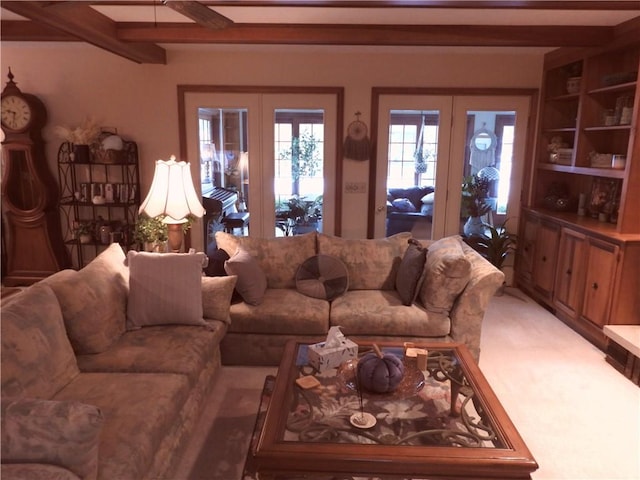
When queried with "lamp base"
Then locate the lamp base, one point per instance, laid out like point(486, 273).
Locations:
point(174, 237)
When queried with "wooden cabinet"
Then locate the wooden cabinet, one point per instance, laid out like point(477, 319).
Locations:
point(99, 200)
point(546, 253)
point(570, 272)
point(586, 279)
point(537, 255)
point(579, 236)
point(602, 260)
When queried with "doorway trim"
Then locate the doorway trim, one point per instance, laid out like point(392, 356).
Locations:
point(377, 92)
point(184, 90)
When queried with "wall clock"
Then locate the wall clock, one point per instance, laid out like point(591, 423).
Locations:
point(31, 223)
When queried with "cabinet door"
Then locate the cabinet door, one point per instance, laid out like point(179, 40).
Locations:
point(569, 287)
point(602, 262)
point(526, 249)
point(546, 253)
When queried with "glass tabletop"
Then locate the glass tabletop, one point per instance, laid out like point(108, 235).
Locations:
point(436, 406)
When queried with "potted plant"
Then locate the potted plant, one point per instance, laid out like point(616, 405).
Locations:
point(84, 231)
point(151, 232)
point(497, 244)
point(475, 191)
point(299, 215)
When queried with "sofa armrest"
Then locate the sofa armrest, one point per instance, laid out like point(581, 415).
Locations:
point(469, 308)
point(64, 434)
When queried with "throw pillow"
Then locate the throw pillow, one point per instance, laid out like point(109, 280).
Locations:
point(447, 272)
point(216, 263)
point(93, 300)
point(165, 288)
point(410, 272)
point(322, 276)
point(37, 358)
point(403, 205)
point(216, 297)
point(252, 282)
point(71, 439)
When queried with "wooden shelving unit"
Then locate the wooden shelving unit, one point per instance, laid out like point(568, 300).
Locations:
point(584, 263)
point(117, 181)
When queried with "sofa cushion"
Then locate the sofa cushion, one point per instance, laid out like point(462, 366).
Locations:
point(216, 297)
point(51, 432)
point(215, 268)
point(283, 311)
point(381, 312)
point(165, 288)
point(322, 276)
point(94, 300)
point(410, 273)
point(278, 257)
point(251, 281)
point(403, 205)
point(159, 349)
point(447, 272)
point(139, 410)
point(37, 357)
point(372, 263)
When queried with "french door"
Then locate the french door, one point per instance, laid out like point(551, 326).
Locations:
point(252, 153)
point(427, 145)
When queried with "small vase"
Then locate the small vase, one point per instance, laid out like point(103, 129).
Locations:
point(81, 153)
point(473, 226)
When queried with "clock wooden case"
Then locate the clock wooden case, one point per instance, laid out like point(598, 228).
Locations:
point(31, 224)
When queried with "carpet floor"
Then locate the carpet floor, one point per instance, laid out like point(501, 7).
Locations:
point(579, 417)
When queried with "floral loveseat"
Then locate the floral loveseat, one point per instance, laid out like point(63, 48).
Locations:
point(451, 290)
point(104, 370)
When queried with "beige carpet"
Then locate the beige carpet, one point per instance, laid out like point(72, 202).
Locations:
point(579, 417)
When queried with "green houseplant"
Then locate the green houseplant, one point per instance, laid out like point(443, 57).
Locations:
point(497, 245)
point(150, 232)
point(298, 215)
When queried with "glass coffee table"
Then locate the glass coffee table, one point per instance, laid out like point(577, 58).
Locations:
point(441, 422)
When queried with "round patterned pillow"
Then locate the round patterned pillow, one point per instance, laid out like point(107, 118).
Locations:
point(322, 276)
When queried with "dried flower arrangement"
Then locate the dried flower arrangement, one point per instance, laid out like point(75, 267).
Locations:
point(84, 134)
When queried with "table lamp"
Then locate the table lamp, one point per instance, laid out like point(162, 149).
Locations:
point(172, 195)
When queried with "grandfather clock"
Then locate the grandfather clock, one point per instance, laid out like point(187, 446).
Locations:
point(31, 223)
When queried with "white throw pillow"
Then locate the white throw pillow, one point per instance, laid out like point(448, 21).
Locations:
point(165, 288)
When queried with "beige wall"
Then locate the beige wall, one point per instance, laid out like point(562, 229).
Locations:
point(76, 81)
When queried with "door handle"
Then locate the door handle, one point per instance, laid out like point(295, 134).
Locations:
point(380, 208)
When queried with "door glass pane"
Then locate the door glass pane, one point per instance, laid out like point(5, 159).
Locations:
point(224, 169)
point(411, 171)
point(298, 171)
point(487, 170)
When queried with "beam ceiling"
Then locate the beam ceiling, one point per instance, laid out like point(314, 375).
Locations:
point(121, 26)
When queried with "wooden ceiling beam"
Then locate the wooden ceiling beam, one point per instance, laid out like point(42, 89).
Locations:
point(87, 24)
point(604, 5)
point(392, 35)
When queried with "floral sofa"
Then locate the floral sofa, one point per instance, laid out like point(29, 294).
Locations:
point(450, 290)
point(105, 369)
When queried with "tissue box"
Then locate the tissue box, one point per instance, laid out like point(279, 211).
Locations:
point(322, 358)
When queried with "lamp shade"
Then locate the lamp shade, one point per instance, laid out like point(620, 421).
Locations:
point(172, 193)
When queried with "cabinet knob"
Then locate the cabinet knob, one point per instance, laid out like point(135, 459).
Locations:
point(569, 272)
point(594, 285)
point(544, 258)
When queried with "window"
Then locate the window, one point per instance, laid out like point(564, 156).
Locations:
point(298, 174)
point(413, 149)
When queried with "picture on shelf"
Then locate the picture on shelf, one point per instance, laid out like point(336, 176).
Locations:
point(604, 196)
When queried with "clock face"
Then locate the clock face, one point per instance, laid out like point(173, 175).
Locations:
point(16, 113)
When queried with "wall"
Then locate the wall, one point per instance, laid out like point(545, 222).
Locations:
point(76, 81)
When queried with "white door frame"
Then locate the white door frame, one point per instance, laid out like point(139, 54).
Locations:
point(522, 101)
point(258, 100)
